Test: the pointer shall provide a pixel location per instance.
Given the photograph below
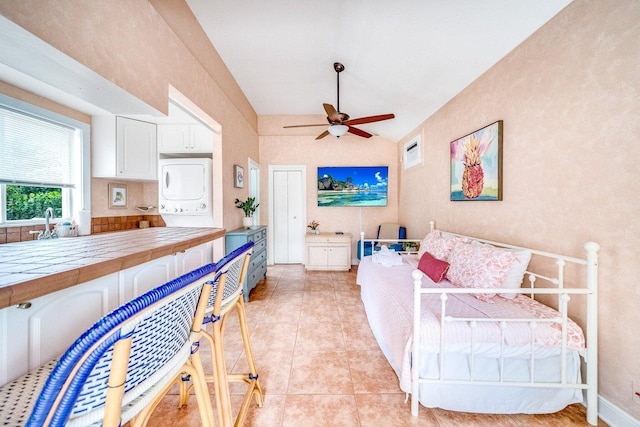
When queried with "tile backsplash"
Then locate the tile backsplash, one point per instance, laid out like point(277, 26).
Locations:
point(118, 223)
point(98, 225)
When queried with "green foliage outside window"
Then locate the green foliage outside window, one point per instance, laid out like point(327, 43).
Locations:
point(31, 202)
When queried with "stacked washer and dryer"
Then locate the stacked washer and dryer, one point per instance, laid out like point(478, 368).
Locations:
point(185, 192)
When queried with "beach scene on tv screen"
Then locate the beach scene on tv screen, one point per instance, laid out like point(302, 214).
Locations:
point(353, 185)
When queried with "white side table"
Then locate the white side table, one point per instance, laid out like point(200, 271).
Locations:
point(328, 251)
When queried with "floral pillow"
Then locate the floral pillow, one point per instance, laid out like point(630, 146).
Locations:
point(434, 268)
point(437, 245)
point(479, 266)
point(514, 277)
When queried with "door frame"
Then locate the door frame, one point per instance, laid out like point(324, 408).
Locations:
point(285, 168)
point(254, 186)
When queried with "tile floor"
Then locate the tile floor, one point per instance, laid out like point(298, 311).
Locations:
point(319, 364)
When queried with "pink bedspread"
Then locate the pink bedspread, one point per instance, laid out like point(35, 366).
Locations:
point(387, 293)
point(389, 290)
point(544, 334)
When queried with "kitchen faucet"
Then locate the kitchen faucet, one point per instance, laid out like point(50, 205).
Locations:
point(48, 234)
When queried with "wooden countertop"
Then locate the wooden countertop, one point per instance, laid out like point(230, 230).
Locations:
point(35, 268)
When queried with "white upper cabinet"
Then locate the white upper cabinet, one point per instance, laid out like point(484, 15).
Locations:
point(184, 138)
point(123, 148)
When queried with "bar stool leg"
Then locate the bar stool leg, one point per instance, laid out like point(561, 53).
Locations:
point(202, 392)
point(222, 383)
point(251, 377)
point(184, 388)
point(218, 375)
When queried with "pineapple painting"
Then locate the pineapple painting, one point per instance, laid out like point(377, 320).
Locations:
point(476, 165)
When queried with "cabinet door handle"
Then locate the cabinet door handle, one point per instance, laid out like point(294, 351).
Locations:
point(24, 305)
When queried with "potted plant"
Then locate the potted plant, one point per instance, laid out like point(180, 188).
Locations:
point(313, 226)
point(249, 207)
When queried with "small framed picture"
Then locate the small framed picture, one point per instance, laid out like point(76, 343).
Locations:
point(117, 196)
point(238, 176)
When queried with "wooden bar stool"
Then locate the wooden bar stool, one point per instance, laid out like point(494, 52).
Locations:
point(121, 367)
point(226, 296)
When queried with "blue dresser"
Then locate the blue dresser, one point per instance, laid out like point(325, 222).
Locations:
point(258, 265)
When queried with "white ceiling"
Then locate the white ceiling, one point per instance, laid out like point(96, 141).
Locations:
point(407, 57)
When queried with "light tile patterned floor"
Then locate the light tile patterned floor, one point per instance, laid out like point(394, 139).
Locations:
point(320, 365)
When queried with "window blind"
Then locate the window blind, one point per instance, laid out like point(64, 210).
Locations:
point(36, 151)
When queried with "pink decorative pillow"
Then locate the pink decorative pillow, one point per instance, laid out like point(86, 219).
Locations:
point(436, 245)
point(434, 268)
point(514, 277)
point(479, 266)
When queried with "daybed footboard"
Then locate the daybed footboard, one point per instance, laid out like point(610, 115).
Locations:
point(568, 342)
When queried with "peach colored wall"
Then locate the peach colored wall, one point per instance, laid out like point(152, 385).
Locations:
point(28, 97)
point(131, 44)
point(138, 194)
point(298, 146)
point(569, 97)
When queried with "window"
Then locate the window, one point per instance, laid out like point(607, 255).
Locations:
point(27, 202)
point(44, 163)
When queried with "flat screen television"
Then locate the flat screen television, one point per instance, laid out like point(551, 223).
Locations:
point(353, 185)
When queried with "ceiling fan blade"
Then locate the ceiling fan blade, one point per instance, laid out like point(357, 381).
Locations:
point(332, 114)
point(359, 132)
point(303, 126)
point(323, 134)
point(370, 119)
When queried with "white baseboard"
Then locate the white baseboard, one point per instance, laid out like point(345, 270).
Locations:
point(614, 416)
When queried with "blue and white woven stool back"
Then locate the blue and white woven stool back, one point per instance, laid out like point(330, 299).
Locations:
point(232, 267)
point(158, 324)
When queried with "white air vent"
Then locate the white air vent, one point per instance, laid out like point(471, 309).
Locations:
point(412, 152)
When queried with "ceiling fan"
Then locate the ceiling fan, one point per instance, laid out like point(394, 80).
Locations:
point(339, 123)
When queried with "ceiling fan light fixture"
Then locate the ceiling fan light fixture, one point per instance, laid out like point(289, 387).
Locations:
point(338, 130)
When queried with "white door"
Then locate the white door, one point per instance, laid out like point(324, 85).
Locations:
point(288, 202)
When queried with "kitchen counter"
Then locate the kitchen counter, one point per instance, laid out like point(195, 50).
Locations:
point(36, 268)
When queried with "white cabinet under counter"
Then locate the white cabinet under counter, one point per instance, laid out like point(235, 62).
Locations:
point(123, 148)
point(137, 280)
point(42, 328)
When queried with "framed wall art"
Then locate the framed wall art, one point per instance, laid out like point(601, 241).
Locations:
point(238, 176)
point(117, 196)
point(476, 165)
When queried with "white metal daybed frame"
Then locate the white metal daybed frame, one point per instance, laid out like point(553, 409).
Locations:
point(589, 354)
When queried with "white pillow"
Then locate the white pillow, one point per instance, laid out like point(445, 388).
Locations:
point(516, 272)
